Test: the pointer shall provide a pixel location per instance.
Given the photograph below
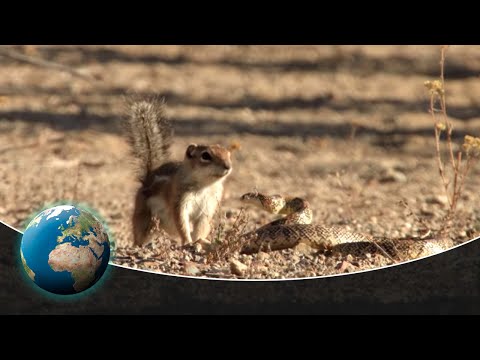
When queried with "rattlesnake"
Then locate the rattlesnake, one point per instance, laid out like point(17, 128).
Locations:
point(297, 228)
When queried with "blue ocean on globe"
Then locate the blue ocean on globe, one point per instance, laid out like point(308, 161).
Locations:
point(65, 250)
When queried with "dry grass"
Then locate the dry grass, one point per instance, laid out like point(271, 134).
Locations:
point(453, 181)
point(226, 243)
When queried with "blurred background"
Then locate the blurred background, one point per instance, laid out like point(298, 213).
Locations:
point(347, 127)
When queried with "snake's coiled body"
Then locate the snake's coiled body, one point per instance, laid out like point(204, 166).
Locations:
point(296, 228)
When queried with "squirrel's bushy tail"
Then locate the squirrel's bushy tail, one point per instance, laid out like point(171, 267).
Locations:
point(149, 132)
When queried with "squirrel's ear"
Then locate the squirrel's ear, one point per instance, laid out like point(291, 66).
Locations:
point(190, 149)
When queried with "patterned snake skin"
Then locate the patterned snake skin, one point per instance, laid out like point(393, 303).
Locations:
point(296, 228)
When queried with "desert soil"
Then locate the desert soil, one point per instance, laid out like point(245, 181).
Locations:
point(346, 127)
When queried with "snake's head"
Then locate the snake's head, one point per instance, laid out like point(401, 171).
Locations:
point(270, 203)
point(254, 199)
point(249, 196)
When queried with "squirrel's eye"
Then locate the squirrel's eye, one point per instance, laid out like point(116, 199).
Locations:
point(206, 156)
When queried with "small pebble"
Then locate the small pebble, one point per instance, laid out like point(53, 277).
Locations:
point(262, 256)
point(191, 269)
point(437, 199)
point(238, 268)
point(391, 175)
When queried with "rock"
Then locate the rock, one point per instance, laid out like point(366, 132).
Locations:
point(262, 256)
point(295, 259)
point(248, 260)
point(396, 234)
point(321, 257)
point(437, 199)
point(349, 258)
point(426, 211)
point(191, 269)
point(345, 266)
point(149, 264)
point(262, 269)
point(202, 245)
point(391, 175)
point(307, 273)
point(238, 268)
point(291, 268)
point(216, 273)
point(304, 249)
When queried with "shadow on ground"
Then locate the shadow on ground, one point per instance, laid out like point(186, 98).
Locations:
point(357, 62)
point(197, 126)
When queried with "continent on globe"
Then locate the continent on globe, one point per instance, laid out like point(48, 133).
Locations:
point(29, 271)
point(79, 261)
point(65, 250)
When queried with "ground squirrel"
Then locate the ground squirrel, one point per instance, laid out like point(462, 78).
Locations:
point(183, 195)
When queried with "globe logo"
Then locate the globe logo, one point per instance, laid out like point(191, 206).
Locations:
point(65, 250)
